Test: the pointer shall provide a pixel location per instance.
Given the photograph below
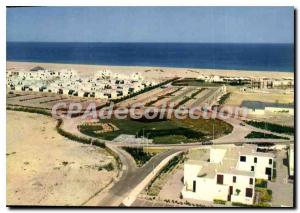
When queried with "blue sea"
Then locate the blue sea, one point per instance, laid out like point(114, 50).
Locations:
point(265, 57)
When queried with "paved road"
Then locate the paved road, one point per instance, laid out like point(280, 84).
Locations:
point(131, 177)
point(281, 188)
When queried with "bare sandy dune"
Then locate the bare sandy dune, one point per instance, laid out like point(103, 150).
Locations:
point(44, 168)
point(147, 72)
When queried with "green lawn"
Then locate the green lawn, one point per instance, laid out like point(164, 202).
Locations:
point(166, 131)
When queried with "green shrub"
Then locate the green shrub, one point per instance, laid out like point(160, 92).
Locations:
point(217, 201)
point(109, 167)
point(261, 183)
point(139, 155)
point(265, 194)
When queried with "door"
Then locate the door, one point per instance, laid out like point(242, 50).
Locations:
point(230, 193)
point(194, 186)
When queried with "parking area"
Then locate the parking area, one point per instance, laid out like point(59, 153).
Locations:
point(282, 189)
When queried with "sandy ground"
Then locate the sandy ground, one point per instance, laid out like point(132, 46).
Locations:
point(44, 168)
point(285, 120)
point(236, 98)
point(147, 72)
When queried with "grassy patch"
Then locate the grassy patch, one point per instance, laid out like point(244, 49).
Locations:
point(264, 135)
point(272, 127)
point(140, 156)
point(165, 131)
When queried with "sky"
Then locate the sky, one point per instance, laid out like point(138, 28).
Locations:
point(151, 24)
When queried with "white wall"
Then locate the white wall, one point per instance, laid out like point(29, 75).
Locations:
point(259, 167)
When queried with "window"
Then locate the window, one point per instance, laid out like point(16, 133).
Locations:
point(268, 171)
point(220, 179)
point(270, 161)
point(243, 158)
point(234, 179)
point(252, 168)
point(251, 181)
point(255, 159)
point(249, 192)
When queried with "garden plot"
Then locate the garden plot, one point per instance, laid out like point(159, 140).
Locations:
point(204, 98)
point(167, 98)
point(194, 96)
point(176, 99)
point(172, 93)
point(145, 97)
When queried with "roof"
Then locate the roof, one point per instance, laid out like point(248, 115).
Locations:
point(228, 165)
point(263, 105)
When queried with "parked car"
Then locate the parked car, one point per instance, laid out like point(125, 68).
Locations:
point(207, 143)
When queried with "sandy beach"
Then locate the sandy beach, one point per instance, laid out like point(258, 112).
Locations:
point(44, 168)
point(147, 72)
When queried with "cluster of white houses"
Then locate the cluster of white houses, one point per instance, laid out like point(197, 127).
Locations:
point(229, 175)
point(255, 83)
point(104, 84)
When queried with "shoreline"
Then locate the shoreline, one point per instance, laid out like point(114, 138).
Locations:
point(148, 71)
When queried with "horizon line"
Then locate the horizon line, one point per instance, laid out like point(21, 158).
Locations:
point(135, 42)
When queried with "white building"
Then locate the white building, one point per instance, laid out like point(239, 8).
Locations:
point(291, 160)
point(229, 175)
point(260, 108)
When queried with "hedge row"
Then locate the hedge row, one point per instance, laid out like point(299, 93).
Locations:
point(272, 127)
point(254, 134)
point(77, 138)
point(224, 98)
point(30, 110)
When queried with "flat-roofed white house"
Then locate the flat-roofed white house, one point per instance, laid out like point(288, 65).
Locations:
point(229, 174)
point(260, 108)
